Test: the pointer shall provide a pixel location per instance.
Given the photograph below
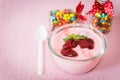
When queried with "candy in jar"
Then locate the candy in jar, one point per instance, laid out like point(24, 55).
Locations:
point(102, 11)
point(61, 17)
point(102, 22)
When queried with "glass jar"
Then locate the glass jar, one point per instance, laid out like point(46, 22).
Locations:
point(101, 20)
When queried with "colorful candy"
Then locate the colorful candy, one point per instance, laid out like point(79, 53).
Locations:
point(103, 12)
point(59, 18)
point(102, 22)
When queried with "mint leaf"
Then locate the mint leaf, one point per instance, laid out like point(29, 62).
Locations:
point(75, 37)
point(68, 37)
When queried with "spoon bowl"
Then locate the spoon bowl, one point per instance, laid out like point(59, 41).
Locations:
point(41, 33)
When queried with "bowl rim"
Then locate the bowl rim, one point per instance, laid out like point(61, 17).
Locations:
point(78, 25)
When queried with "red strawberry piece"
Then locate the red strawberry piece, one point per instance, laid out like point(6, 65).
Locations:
point(64, 51)
point(70, 44)
point(83, 43)
point(69, 52)
point(72, 53)
point(86, 43)
point(91, 43)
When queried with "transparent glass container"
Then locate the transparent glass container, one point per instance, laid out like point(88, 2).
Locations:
point(78, 64)
point(101, 20)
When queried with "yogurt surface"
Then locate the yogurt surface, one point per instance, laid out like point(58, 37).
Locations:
point(85, 53)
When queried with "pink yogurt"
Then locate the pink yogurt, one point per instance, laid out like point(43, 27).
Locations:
point(87, 59)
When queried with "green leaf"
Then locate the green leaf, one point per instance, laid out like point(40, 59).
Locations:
point(68, 37)
point(75, 37)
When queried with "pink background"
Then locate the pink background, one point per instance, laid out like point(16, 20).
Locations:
point(19, 20)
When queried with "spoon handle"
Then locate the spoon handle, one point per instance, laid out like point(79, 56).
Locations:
point(40, 58)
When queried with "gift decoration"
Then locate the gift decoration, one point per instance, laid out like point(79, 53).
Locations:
point(79, 10)
point(103, 15)
point(66, 16)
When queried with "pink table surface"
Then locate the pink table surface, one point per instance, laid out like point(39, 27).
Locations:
point(19, 20)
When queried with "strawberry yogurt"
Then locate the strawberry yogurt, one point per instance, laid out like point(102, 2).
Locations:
point(86, 59)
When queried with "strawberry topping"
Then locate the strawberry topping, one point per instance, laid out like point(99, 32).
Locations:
point(70, 44)
point(86, 43)
point(69, 52)
point(72, 40)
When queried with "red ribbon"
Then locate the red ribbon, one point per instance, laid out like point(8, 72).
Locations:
point(79, 9)
point(107, 7)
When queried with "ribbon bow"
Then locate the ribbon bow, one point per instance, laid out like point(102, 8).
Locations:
point(107, 7)
point(79, 9)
